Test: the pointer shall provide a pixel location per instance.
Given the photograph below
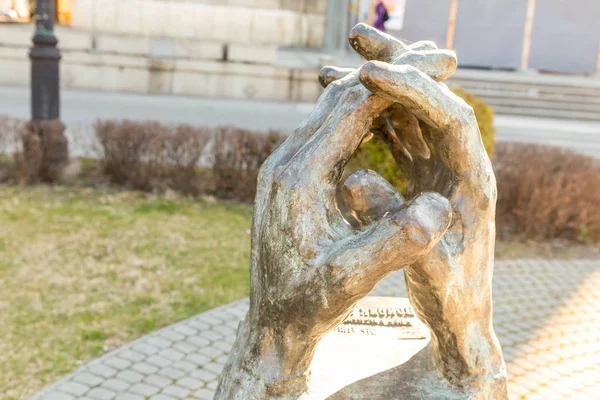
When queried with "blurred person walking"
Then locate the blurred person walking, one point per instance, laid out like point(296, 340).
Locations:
point(379, 13)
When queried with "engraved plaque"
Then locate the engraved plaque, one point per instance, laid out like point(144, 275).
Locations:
point(390, 318)
point(381, 334)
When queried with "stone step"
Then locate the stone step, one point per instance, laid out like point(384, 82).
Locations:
point(535, 94)
point(507, 89)
point(546, 80)
point(544, 112)
point(512, 85)
point(539, 103)
point(528, 91)
point(540, 95)
point(582, 143)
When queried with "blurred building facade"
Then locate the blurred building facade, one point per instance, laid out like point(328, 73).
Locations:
point(233, 48)
point(213, 48)
point(14, 10)
point(544, 35)
point(278, 22)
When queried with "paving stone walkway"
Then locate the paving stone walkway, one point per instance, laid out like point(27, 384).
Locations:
point(546, 315)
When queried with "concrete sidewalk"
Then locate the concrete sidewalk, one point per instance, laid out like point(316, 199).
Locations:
point(80, 109)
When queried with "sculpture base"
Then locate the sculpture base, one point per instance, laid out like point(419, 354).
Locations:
point(381, 352)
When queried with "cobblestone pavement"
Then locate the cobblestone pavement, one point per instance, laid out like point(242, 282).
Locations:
point(546, 315)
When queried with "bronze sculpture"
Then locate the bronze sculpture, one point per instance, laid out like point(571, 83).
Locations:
point(310, 267)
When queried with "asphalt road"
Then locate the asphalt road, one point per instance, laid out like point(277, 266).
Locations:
point(80, 109)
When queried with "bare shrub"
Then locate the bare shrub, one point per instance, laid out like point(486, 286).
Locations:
point(547, 192)
point(238, 155)
point(152, 156)
point(10, 147)
point(9, 134)
point(32, 152)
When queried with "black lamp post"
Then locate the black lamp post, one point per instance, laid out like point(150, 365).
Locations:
point(45, 58)
point(45, 146)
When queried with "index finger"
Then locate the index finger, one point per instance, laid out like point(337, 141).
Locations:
point(323, 158)
point(373, 44)
point(457, 136)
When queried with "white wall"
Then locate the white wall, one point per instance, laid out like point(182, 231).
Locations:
point(277, 22)
point(113, 62)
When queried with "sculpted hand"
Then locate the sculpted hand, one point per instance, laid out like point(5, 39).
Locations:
point(434, 137)
point(309, 267)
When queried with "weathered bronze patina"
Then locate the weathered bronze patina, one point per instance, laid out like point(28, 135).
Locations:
point(310, 267)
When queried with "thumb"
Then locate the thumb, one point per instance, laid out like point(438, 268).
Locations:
point(367, 196)
point(400, 238)
point(329, 74)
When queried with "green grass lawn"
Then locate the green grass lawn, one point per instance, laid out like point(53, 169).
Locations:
point(83, 271)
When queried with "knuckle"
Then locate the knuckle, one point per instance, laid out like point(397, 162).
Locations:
point(335, 271)
point(341, 280)
point(288, 180)
point(334, 89)
point(489, 193)
point(265, 173)
point(326, 77)
point(411, 69)
point(355, 95)
point(463, 118)
point(423, 45)
point(420, 236)
point(429, 44)
point(484, 190)
point(281, 178)
point(410, 76)
point(353, 91)
point(267, 169)
point(336, 85)
point(466, 113)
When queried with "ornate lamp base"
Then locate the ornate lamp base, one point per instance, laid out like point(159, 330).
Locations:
point(45, 151)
